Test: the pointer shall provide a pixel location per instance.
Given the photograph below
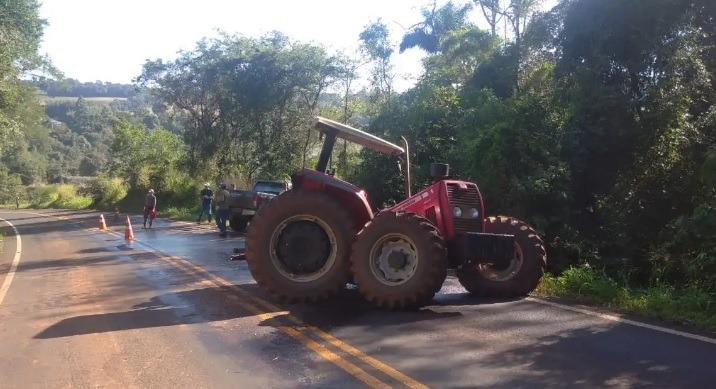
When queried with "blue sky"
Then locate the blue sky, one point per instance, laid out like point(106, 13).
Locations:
point(107, 40)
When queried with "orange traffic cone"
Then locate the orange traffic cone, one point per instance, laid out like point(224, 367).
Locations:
point(128, 233)
point(102, 224)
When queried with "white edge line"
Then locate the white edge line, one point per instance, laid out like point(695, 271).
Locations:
point(618, 319)
point(15, 261)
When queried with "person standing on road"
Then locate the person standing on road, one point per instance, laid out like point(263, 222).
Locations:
point(222, 209)
point(206, 196)
point(150, 208)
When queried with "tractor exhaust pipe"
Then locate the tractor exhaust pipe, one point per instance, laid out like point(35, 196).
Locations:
point(406, 167)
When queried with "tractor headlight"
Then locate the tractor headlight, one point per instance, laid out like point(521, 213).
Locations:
point(457, 212)
point(474, 213)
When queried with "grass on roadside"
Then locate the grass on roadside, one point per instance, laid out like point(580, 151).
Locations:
point(113, 195)
point(176, 213)
point(686, 305)
point(23, 205)
point(60, 196)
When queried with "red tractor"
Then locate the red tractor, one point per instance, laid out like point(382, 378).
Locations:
point(309, 242)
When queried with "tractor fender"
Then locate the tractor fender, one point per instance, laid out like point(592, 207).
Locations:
point(353, 198)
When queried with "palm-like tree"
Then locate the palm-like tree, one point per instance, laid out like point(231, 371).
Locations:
point(438, 23)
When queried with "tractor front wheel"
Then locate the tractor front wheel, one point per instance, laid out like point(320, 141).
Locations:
point(517, 278)
point(298, 246)
point(399, 261)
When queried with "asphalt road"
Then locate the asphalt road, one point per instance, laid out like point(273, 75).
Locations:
point(82, 308)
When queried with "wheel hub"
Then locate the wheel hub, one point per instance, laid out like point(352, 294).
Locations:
point(303, 247)
point(396, 261)
point(503, 272)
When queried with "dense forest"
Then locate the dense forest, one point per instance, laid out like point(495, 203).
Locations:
point(595, 120)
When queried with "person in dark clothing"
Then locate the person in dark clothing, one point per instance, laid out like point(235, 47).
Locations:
point(206, 196)
point(150, 208)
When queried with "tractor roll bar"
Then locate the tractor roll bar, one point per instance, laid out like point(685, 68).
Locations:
point(406, 167)
point(326, 151)
point(333, 130)
point(355, 135)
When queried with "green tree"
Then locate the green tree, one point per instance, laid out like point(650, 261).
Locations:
point(21, 31)
point(147, 159)
point(246, 102)
point(375, 43)
point(437, 25)
point(12, 189)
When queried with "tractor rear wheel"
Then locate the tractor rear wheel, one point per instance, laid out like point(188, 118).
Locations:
point(399, 261)
point(298, 246)
point(520, 276)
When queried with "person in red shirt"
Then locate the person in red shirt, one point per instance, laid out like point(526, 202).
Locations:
point(150, 208)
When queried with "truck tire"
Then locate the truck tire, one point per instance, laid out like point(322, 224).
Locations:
point(298, 246)
point(521, 276)
point(238, 224)
point(399, 261)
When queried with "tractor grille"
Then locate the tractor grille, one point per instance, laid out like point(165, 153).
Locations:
point(467, 199)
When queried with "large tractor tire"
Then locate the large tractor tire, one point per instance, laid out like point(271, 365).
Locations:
point(399, 261)
point(237, 223)
point(522, 274)
point(298, 246)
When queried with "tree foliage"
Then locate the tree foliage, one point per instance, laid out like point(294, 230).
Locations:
point(591, 120)
point(146, 158)
point(246, 102)
point(20, 34)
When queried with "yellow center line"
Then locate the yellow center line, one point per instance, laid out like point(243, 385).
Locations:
point(409, 382)
point(332, 357)
point(314, 346)
point(355, 371)
point(390, 371)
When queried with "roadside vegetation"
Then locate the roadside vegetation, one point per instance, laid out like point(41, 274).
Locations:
point(595, 121)
point(690, 305)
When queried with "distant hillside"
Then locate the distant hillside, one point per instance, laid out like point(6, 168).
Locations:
point(73, 88)
point(45, 99)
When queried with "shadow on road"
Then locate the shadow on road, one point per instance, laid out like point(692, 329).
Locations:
point(583, 357)
point(467, 299)
point(212, 304)
point(112, 256)
point(579, 357)
point(160, 311)
point(14, 220)
point(349, 309)
point(54, 264)
point(50, 225)
point(515, 344)
point(96, 250)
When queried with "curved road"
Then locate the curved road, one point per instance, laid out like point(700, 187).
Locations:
point(83, 308)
